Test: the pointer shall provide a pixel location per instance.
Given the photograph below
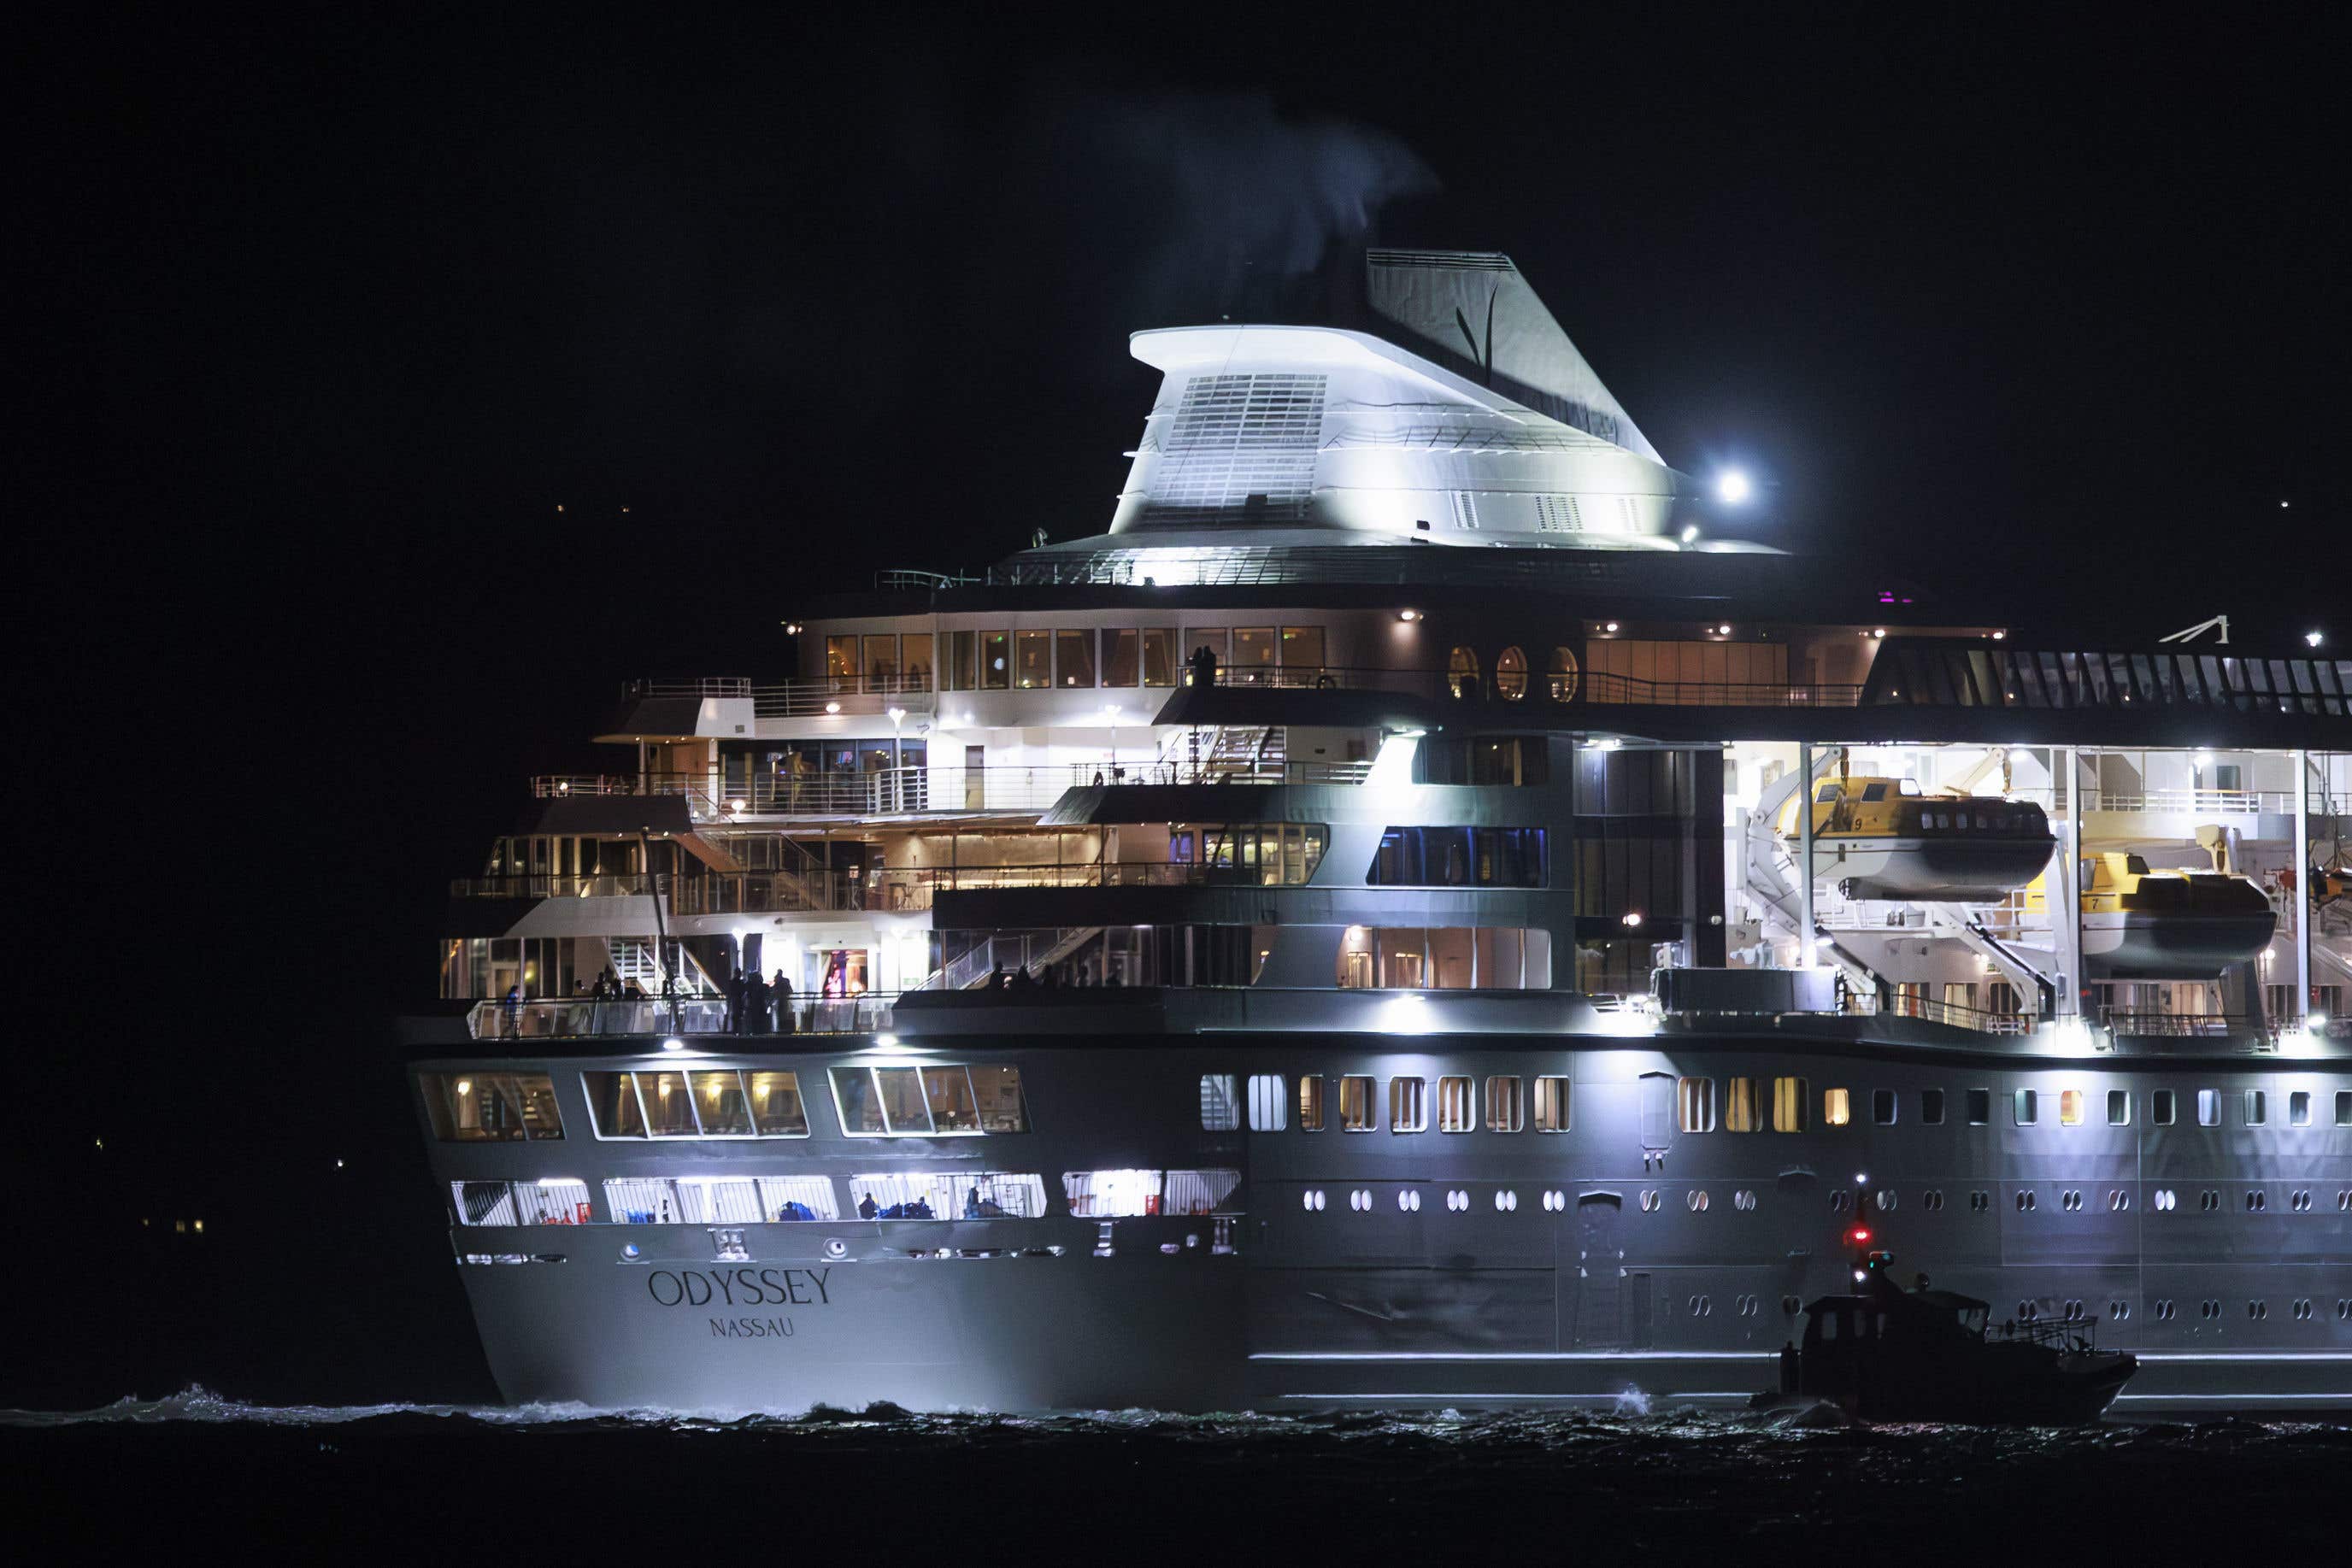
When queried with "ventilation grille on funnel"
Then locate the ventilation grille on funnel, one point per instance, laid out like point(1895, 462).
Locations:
point(1450, 260)
point(1240, 446)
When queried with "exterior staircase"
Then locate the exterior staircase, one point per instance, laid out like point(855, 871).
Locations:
point(1240, 754)
point(634, 959)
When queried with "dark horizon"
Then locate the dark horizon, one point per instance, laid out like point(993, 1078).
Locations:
point(343, 311)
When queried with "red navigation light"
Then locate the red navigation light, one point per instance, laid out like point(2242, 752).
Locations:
point(1858, 1235)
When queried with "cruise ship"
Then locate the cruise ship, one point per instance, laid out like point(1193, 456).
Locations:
point(1417, 912)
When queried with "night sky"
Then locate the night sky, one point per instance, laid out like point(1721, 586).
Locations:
point(336, 314)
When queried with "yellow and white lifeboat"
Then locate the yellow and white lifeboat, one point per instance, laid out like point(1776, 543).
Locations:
point(2164, 925)
point(1882, 838)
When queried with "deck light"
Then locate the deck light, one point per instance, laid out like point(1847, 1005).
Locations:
point(1862, 1178)
point(1878, 632)
point(1723, 631)
point(2000, 636)
point(1633, 918)
point(673, 1043)
point(2316, 1024)
point(2313, 638)
point(896, 715)
point(832, 707)
point(1690, 532)
point(886, 1040)
point(1609, 626)
point(1731, 487)
point(1408, 614)
point(792, 628)
point(1859, 1276)
point(1858, 1235)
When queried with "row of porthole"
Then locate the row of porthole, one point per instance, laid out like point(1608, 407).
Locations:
point(2119, 1200)
point(2303, 1311)
point(1741, 1306)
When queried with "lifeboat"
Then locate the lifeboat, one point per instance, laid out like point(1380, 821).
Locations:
point(1882, 838)
point(2165, 924)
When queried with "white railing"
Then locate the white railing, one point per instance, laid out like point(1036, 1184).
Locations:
point(2220, 803)
point(583, 1018)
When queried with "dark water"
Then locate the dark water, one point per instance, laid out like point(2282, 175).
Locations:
point(1140, 1485)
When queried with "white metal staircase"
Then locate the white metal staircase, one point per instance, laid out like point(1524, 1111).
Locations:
point(634, 959)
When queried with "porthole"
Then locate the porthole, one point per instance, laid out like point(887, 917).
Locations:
point(1981, 1201)
point(1360, 1201)
point(2025, 1201)
point(2165, 1199)
point(1841, 1200)
point(1511, 674)
point(1649, 1200)
point(2257, 1200)
point(1317, 1195)
point(1506, 1202)
point(2073, 1202)
point(1744, 1200)
point(1555, 1201)
point(1408, 1201)
point(1791, 1306)
point(1884, 1197)
point(2258, 1310)
point(2300, 1203)
point(1695, 1202)
point(2303, 1311)
point(1307, 1200)
point(836, 1248)
point(1457, 1200)
point(2119, 1311)
point(2163, 1309)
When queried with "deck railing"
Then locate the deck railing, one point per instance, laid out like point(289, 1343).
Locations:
point(698, 1016)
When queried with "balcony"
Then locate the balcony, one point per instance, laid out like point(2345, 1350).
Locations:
point(579, 1020)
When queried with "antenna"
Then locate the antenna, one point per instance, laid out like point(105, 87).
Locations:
point(2190, 634)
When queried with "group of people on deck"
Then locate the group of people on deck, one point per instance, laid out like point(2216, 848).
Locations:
point(974, 1207)
point(755, 1005)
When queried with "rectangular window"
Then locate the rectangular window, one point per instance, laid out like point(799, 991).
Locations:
point(997, 1091)
point(1119, 658)
point(2069, 1107)
point(1198, 1192)
point(2298, 1108)
point(2344, 1107)
point(2028, 1109)
point(613, 1110)
point(1112, 1195)
point(719, 1104)
point(1694, 1101)
point(841, 664)
point(2258, 1107)
point(1503, 1112)
point(776, 1107)
point(881, 664)
point(1253, 654)
point(897, 1101)
point(1073, 657)
point(1882, 1107)
point(996, 661)
point(1310, 1103)
point(1407, 1105)
point(1220, 1110)
point(491, 1107)
point(1980, 1107)
point(1160, 660)
point(2160, 1108)
point(1743, 1109)
point(1931, 1107)
point(1032, 660)
point(2118, 1107)
point(1214, 639)
point(722, 1200)
point(1551, 1105)
point(2209, 1107)
point(1269, 1103)
point(963, 661)
point(1790, 1103)
point(668, 1105)
point(555, 1201)
point(947, 1091)
point(1456, 1112)
point(1356, 1108)
point(1837, 1108)
point(947, 1195)
point(1302, 650)
point(915, 660)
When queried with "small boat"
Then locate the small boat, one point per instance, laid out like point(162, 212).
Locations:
point(1882, 838)
point(2165, 924)
point(1885, 1354)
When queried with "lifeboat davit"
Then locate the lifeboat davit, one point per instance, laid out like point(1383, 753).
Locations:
point(2165, 924)
point(1882, 838)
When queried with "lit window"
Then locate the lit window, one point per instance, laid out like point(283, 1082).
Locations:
point(1503, 1112)
point(2069, 1107)
point(1564, 675)
point(723, 1200)
point(1551, 1105)
point(947, 1194)
point(1931, 1107)
point(1511, 674)
point(1220, 1110)
point(1198, 1192)
point(2258, 1107)
point(1882, 1107)
point(1310, 1103)
point(2118, 1107)
point(777, 1109)
point(551, 1202)
point(1462, 673)
point(1112, 1195)
point(1742, 1109)
point(491, 1107)
point(2209, 1107)
point(1789, 1104)
point(1694, 1097)
point(719, 1101)
point(1455, 1112)
point(1408, 1104)
point(903, 1101)
point(2160, 1107)
point(2028, 1107)
point(2298, 1108)
point(1269, 1103)
point(1837, 1108)
point(1355, 1098)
